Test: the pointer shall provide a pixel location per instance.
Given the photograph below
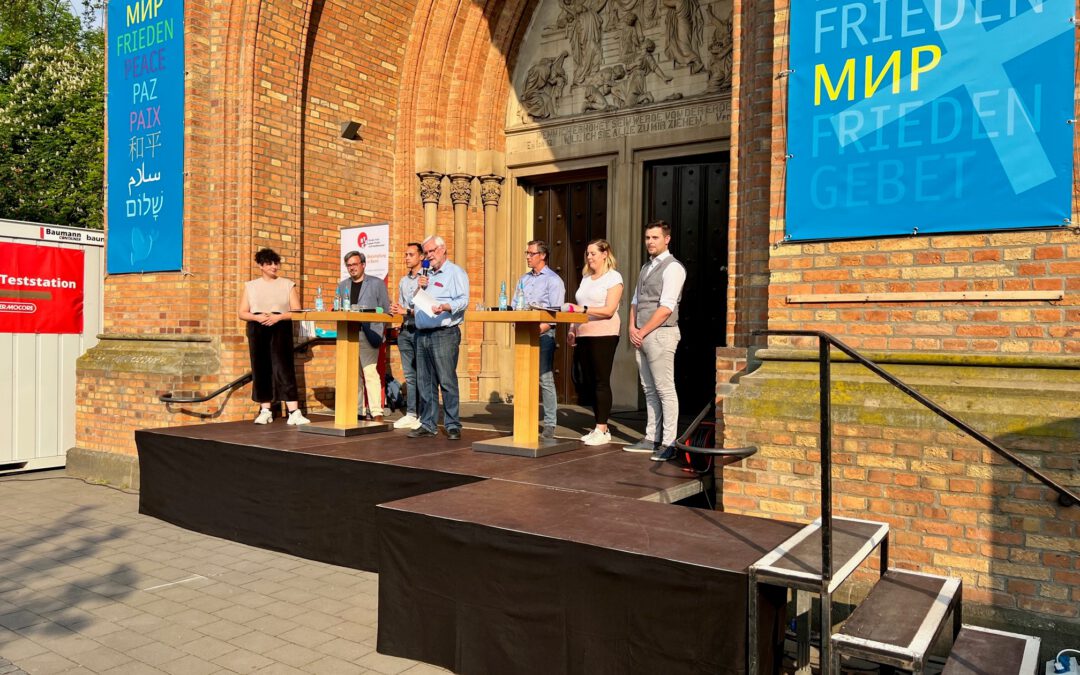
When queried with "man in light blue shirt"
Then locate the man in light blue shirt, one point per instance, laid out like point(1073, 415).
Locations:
point(414, 253)
point(438, 339)
point(545, 288)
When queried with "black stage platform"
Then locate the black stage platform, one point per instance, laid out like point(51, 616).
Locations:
point(314, 496)
point(508, 577)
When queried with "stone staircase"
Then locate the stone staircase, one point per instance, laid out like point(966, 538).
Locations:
point(898, 622)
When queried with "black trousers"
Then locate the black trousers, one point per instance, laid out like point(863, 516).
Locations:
point(273, 370)
point(597, 354)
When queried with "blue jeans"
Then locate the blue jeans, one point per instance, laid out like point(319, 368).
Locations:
point(547, 378)
point(406, 344)
point(436, 368)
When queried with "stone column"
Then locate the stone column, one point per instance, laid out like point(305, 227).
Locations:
point(460, 196)
point(489, 378)
point(430, 193)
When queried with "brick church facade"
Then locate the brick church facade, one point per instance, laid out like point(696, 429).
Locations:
point(488, 122)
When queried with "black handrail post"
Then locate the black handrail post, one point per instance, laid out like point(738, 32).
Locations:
point(825, 384)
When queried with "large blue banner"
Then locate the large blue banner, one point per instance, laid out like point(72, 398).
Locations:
point(146, 136)
point(928, 116)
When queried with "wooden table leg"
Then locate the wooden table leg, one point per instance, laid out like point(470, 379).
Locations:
point(346, 394)
point(348, 374)
point(526, 441)
point(526, 383)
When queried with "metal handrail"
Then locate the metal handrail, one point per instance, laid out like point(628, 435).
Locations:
point(168, 397)
point(825, 342)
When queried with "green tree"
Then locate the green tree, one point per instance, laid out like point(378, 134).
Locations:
point(52, 122)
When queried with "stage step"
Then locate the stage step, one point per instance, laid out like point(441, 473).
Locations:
point(797, 564)
point(899, 621)
point(983, 651)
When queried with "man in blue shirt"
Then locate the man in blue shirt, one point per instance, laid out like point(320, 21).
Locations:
point(406, 342)
point(544, 288)
point(438, 338)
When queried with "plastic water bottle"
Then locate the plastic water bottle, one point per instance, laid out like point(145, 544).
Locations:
point(502, 296)
point(337, 302)
point(318, 300)
point(519, 296)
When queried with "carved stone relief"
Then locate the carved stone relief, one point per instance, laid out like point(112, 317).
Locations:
point(587, 56)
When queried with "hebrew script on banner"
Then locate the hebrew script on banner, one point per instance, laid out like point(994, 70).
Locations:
point(917, 116)
point(146, 135)
point(41, 289)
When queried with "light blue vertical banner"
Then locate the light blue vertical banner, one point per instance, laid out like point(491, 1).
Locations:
point(146, 136)
point(929, 116)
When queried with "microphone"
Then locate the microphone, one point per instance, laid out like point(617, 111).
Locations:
point(425, 266)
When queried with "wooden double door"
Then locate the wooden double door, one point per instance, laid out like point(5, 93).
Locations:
point(569, 213)
point(691, 194)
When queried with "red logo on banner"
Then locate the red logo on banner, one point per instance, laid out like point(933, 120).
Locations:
point(40, 289)
point(361, 240)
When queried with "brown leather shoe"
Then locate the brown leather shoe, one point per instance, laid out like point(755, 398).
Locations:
point(378, 418)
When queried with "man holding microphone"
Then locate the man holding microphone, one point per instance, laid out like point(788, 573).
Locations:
point(438, 339)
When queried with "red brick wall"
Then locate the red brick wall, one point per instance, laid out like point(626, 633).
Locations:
point(955, 508)
point(267, 86)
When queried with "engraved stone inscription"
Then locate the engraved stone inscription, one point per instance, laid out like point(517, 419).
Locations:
point(629, 124)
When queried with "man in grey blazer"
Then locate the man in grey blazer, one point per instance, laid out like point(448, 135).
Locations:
point(365, 292)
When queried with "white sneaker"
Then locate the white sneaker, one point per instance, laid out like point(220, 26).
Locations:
point(585, 436)
point(265, 416)
point(598, 437)
point(410, 421)
point(297, 417)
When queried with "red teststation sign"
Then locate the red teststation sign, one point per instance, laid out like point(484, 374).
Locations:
point(40, 289)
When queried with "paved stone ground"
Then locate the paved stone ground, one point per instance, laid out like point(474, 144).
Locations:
point(87, 585)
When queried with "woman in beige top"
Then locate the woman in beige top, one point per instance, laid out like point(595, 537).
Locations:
point(267, 304)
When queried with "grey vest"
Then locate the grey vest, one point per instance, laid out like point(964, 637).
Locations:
point(648, 293)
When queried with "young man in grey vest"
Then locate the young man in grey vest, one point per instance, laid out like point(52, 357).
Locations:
point(654, 333)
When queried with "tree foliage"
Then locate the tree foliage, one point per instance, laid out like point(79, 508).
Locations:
point(52, 114)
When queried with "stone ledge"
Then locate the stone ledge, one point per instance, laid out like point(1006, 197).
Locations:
point(98, 466)
point(176, 355)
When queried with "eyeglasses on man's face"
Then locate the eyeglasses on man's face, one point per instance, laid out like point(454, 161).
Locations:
point(529, 254)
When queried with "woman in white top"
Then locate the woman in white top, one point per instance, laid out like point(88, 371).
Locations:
point(595, 341)
point(267, 304)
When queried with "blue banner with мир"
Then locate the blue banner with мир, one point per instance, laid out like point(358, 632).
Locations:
point(928, 116)
point(145, 127)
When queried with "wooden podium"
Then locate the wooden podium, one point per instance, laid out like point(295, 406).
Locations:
point(346, 393)
point(526, 441)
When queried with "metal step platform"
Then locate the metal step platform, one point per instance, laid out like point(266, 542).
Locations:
point(900, 620)
point(984, 651)
point(797, 564)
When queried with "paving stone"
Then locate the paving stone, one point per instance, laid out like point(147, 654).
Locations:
point(208, 648)
point(258, 642)
point(190, 665)
point(347, 650)
point(21, 619)
point(293, 655)
point(156, 652)
point(88, 585)
point(100, 658)
point(305, 637)
point(46, 663)
point(381, 663)
point(243, 661)
point(331, 665)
